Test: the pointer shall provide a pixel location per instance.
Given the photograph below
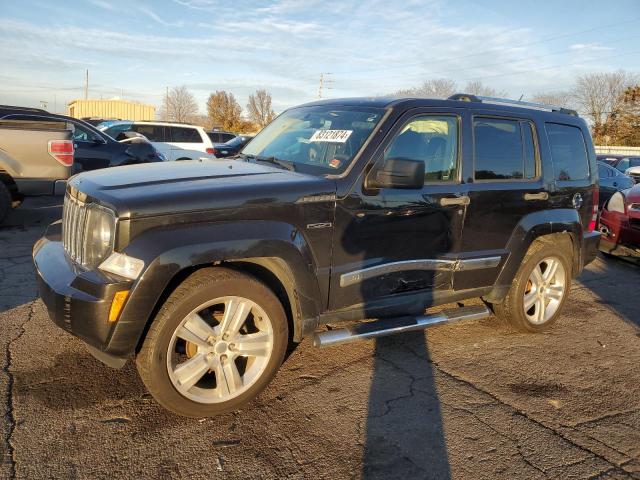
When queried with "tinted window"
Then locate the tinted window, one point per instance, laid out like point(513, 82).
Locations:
point(185, 135)
point(568, 152)
point(81, 134)
point(504, 149)
point(225, 137)
point(433, 140)
point(154, 133)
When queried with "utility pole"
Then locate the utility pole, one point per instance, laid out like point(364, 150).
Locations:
point(166, 106)
point(86, 86)
point(324, 83)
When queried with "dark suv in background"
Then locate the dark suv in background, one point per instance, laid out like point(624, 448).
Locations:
point(377, 209)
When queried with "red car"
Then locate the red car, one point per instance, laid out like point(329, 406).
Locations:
point(620, 223)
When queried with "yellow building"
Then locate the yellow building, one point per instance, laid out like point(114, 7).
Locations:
point(111, 109)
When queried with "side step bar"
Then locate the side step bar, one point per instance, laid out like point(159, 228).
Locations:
point(390, 326)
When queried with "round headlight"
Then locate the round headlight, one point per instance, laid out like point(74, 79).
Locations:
point(616, 203)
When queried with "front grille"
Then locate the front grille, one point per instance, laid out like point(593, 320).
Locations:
point(635, 176)
point(74, 217)
point(634, 223)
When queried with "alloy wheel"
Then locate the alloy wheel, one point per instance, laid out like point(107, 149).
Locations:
point(545, 290)
point(220, 349)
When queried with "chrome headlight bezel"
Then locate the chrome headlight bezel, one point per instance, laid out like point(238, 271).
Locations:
point(99, 235)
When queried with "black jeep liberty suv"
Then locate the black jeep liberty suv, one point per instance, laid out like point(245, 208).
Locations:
point(206, 272)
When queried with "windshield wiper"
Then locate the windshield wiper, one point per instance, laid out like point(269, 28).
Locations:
point(272, 160)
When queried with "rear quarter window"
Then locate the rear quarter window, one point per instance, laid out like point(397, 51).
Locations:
point(568, 152)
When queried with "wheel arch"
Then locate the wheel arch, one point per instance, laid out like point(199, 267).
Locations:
point(548, 225)
point(267, 253)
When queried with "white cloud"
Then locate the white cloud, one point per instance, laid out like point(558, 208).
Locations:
point(591, 47)
point(156, 18)
point(101, 4)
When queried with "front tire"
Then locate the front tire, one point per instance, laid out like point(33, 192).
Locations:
point(215, 344)
point(538, 292)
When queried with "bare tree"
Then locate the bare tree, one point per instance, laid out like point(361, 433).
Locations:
point(559, 98)
point(224, 111)
point(259, 108)
point(434, 88)
point(598, 95)
point(178, 105)
point(476, 87)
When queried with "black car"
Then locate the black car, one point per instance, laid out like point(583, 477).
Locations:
point(94, 149)
point(208, 272)
point(232, 147)
point(220, 136)
point(611, 181)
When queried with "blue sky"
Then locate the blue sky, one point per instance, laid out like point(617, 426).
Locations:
point(136, 49)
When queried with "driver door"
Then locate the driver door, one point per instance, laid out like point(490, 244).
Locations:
point(394, 248)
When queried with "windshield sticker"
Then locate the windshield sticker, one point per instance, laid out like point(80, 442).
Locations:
point(336, 136)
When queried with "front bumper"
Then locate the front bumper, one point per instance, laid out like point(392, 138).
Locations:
point(78, 301)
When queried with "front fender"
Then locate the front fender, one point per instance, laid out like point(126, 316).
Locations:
point(168, 251)
point(531, 227)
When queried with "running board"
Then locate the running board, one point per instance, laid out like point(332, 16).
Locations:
point(390, 326)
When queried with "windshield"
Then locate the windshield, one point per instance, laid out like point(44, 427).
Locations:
point(114, 130)
point(319, 139)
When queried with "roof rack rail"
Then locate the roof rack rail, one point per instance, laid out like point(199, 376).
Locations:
point(467, 97)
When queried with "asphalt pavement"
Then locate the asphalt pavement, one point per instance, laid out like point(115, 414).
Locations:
point(465, 401)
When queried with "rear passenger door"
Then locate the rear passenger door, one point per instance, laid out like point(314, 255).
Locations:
point(505, 184)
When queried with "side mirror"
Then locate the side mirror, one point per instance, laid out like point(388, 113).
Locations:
point(398, 173)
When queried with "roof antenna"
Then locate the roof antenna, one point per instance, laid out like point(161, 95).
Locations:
point(520, 99)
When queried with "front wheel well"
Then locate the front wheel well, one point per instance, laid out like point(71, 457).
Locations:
point(257, 268)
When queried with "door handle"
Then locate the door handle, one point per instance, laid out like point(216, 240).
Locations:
point(536, 196)
point(448, 201)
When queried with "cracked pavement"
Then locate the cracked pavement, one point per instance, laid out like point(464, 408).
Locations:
point(469, 400)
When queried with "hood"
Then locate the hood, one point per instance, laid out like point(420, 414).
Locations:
point(191, 186)
point(635, 170)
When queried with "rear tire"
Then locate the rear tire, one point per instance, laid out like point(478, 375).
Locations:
point(538, 292)
point(214, 345)
point(6, 202)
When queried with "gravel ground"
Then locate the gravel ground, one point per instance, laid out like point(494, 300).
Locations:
point(469, 400)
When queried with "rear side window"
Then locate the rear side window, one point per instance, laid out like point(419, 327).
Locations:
point(504, 149)
point(154, 133)
point(185, 135)
point(568, 152)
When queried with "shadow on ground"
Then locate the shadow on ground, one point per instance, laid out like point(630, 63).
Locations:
point(604, 278)
point(404, 434)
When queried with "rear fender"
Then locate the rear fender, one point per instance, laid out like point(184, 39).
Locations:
point(530, 228)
